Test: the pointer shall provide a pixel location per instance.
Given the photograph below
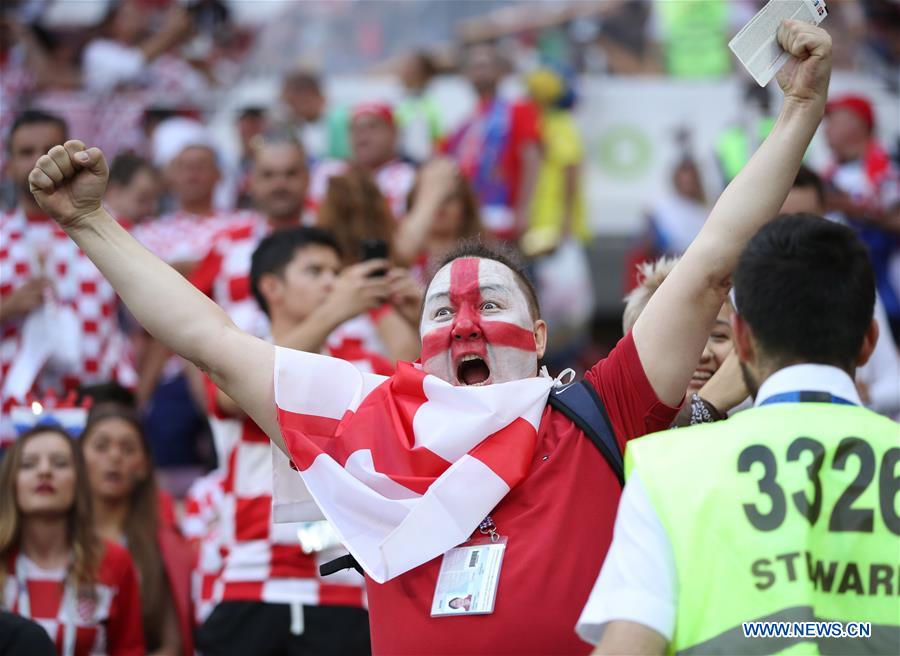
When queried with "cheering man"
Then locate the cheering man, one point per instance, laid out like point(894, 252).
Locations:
point(407, 468)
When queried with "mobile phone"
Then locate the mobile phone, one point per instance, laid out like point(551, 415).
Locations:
point(375, 249)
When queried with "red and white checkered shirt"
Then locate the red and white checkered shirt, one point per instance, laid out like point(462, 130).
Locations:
point(395, 180)
point(108, 623)
point(263, 561)
point(181, 237)
point(104, 350)
point(224, 274)
point(201, 525)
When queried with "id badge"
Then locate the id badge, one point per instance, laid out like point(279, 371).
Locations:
point(468, 579)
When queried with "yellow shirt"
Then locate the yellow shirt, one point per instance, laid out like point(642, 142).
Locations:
point(562, 148)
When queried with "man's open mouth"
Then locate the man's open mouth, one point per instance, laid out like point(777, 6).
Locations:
point(472, 370)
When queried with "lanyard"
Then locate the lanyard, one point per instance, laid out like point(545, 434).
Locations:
point(806, 397)
point(23, 604)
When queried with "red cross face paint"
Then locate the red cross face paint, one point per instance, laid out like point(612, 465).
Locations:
point(476, 328)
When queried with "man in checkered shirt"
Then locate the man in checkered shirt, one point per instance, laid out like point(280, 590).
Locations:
point(263, 579)
point(49, 288)
point(184, 150)
point(278, 182)
point(373, 143)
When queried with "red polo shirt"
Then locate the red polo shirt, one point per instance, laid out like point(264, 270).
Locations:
point(559, 523)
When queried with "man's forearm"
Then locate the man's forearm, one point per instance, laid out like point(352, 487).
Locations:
point(163, 302)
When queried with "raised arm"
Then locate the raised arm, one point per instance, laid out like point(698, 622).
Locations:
point(670, 332)
point(68, 183)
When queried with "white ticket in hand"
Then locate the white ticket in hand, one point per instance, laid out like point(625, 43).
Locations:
point(756, 45)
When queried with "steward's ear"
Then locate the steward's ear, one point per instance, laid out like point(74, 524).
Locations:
point(743, 339)
point(869, 342)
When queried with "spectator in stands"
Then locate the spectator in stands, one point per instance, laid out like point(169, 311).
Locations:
point(737, 142)
point(251, 124)
point(124, 54)
point(134, 189)
point(882, 39)
point(83, 590)
point(678, 215)
point(716, 387)
point(373, 145)
point(322, 133)
point(269, 596)
point(58, 323)
point(865, 189)
point(355, 211)
point(443, 211)
point(498, 147)
point(419, 119)
point(125, 499)
point(558, 207)
point(278, 183)
point(185, 151)
point(693, 37)
point(877, 380)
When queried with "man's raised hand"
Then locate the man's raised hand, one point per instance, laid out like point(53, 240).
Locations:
point(804, 78)
point(68, 182)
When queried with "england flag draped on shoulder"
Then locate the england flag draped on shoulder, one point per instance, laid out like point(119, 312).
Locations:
point(405, 467)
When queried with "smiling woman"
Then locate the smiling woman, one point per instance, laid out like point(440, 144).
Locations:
point(54, 568)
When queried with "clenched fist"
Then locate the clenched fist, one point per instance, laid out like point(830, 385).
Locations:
point(68, 182)
point(804, 78)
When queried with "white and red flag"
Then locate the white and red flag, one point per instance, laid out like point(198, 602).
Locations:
point(404, 467)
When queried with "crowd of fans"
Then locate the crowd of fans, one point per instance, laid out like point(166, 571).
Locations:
point(321, 237)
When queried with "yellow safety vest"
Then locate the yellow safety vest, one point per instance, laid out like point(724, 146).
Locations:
point(785, 512)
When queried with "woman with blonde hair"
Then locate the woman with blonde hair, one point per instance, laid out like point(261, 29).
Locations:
point(124, 493)
point(55, 569)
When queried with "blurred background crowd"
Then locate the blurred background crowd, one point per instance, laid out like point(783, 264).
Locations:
point(593, 136)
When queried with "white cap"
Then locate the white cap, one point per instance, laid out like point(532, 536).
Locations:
point(174, 135)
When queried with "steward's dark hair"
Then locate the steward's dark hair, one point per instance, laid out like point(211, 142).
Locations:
point(35, 117)
point(277, 250)
point(806, 288)
point(498, 253)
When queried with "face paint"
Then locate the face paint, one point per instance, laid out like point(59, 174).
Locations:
point(476, 328)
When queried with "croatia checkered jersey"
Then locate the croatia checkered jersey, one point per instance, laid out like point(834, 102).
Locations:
point(185, 238)
point(262, 560)
point(107, 622)
point(30, 248)
point(201, 525)
point(224, 274)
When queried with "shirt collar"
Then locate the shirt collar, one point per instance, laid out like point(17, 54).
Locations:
point(809, 378)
